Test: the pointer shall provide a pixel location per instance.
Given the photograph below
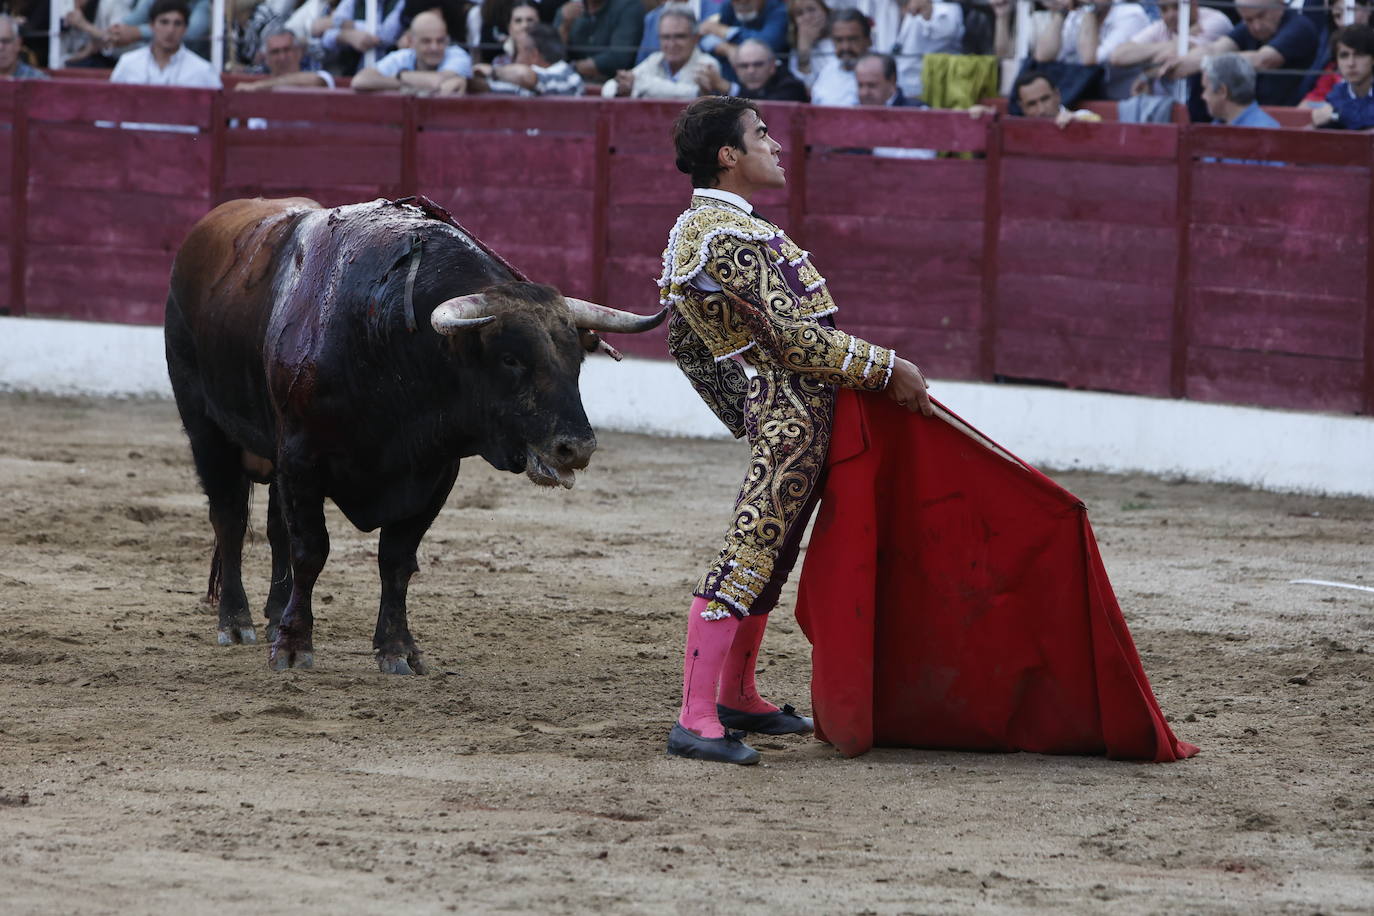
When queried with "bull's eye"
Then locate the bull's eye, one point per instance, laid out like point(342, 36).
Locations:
point(511, 361)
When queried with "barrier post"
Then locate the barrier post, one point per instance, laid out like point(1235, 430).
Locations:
point(992, 229)
point(19, 196)
point(217, 35)
point(1369, 291)
point(370, 14)
point(600, 198)
point(410, 135)
point(1180, 330)
point(796, 182)
point(56, 11)
point(219, 125)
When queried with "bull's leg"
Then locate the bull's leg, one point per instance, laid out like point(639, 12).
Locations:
point(221, 475)
point(302, 504)
point(280, 591)
point(396, 650)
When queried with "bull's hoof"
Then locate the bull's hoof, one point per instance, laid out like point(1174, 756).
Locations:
point(414, 663)
point(272, 629)
point(282, 659)
point(238, 636)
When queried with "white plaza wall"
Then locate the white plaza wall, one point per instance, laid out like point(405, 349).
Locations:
point(1273, 449)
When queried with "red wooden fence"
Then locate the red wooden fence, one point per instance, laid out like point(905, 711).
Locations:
point(1136, 258)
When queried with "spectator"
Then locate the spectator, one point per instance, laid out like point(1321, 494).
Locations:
point(11, 67)
point(1157, 44)
point(540, 67)
point(601, 35)
point(679, 70)
point(910, 29)
point(1038, 97)
point(809, 35)
point(740, 20)
point(499, 21)
point(835, 84)
point(701, 9)
point(430, 65)
point(166, 61)
point(84, 39)
point(1350, 105)
point(760, 77)
point(333, 36)
point(876, 77)
point(286, 64)
point(249, 20)
point(1271, 37)
point(137, 26)
point(1228, 89)
point(1088, 35)
point(1330, 75)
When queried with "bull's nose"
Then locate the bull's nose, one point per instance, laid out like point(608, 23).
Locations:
point(574, 451)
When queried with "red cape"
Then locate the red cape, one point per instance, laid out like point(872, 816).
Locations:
point(954, 598)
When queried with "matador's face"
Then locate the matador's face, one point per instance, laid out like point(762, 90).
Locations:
point(759, 166)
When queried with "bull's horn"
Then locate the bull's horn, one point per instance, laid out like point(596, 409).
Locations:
point(454, 315)
point(595, 317)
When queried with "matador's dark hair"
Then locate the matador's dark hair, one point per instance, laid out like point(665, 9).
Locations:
point(705, 126)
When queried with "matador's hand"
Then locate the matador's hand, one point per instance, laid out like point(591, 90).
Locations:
point(908, 387)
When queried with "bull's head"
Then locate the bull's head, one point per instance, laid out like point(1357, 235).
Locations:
point(525, 343)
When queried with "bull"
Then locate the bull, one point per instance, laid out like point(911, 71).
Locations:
point(358, 354)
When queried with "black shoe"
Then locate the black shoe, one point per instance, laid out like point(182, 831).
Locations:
point(783, 721)
point(683, 743)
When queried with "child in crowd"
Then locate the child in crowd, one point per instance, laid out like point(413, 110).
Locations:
point(1350, 105)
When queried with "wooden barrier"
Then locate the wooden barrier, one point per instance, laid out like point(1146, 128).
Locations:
point(1212, 263)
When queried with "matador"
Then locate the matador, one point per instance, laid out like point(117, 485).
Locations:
point(741, 291)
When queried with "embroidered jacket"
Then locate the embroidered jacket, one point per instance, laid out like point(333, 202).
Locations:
point(739, 286)
point(770, 298)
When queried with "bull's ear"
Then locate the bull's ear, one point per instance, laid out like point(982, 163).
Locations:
point(593, 342)
point(453, 316)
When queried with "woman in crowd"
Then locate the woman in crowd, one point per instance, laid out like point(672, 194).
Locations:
point(500, 22)
point(809, 35)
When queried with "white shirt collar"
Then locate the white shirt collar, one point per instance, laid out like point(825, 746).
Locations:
point(729, 197)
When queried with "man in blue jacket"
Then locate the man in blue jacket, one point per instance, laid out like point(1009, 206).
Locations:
point(739, 21)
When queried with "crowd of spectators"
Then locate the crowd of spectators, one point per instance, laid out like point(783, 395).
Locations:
point(1241, 56)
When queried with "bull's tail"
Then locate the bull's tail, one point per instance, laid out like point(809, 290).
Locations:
point(212, 588)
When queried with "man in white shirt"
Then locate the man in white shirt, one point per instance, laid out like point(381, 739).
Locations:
point(908, 30)
point(675, 70)
point(429, 65)
point(1088, 35)
point(165, 61)
point(835, 84)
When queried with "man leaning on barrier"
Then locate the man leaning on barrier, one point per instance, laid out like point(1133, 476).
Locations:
point(1271, 37)
point(431, 65)
point(540, 67)
point(677, 70)
point(287, 67)
point(11, 67)
point(1228, 90)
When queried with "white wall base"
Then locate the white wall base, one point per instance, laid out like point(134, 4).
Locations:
point(1271, 449)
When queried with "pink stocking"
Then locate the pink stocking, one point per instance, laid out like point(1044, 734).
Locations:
point(737, 689)
point(708, 641)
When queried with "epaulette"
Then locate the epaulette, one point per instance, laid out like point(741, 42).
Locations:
point(691, 236)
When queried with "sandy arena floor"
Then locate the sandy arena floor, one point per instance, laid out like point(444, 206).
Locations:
point(143, 769)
